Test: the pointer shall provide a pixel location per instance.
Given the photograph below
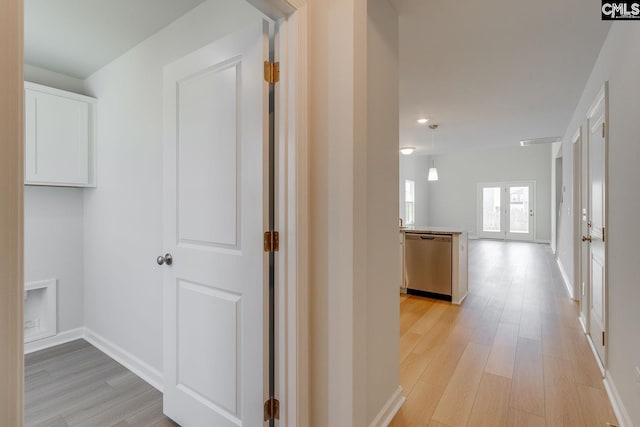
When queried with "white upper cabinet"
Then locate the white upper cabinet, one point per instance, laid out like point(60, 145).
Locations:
point(59, 137)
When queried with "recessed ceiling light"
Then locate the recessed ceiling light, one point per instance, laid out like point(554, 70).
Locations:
point(423, 120)
point(407, 150)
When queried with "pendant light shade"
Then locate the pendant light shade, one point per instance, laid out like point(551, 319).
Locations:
point(433, 173)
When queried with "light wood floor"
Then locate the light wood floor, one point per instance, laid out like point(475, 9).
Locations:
point(512, 355)
point(75, 384)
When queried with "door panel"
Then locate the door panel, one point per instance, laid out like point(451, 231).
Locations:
point(207, 156)
point(520, 211)
point(597, 224)
point(491, 210)
point(216, 209)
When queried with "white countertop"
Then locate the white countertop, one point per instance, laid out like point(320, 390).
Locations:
point(431, 230)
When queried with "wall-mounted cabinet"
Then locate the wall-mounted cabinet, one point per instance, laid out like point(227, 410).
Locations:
point(59, 137)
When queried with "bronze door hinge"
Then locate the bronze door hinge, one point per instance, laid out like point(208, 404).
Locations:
point(271, 241)
point(603, 338)
point(271, 72)
point(272, 409)
point(603, 233)
point(603, 129)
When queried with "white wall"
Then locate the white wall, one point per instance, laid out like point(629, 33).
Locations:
point(383, 260)
point(338, 212)
point(452, 199)
point(619, 63)
point(52, 79)
point(53, 246)
point(123, 215)
point(54, 227)
point(416, 168)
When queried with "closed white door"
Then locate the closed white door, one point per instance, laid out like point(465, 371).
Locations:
point(597, 223)
point(520, 213)
point(506, 210)
point(581, 151)
point(216, 210)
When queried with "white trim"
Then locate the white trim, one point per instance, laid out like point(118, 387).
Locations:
point(595, 354)
point(583, 324)
point(48, 310)
point(624, 420)
point(126, 359)
point(565, 278)
point(600, 97)
point(577, 135)
point(389, 410)
point(294, 376)
point(60, 338)
point(541, 241)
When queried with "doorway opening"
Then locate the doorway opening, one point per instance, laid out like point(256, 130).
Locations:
point(506, 210)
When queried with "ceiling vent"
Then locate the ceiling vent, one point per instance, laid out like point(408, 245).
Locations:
point(536, 141)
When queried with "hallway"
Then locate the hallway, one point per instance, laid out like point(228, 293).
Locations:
point(513, 354)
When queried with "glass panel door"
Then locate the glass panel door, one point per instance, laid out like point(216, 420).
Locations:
point(506, 210)
point(520, 211)
point(491, 203)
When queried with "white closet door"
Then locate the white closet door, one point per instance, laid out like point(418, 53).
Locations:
point(216, 170)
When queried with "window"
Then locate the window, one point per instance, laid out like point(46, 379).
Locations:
point(409, 202)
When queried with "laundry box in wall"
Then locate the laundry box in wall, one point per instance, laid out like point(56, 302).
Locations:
point(40, 308)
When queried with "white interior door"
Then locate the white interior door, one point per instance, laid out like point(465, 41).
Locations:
point(597, 223)
point(491, 211)
point(581, 202)
point(216, 201)
point(506, 210)
point(519, 210)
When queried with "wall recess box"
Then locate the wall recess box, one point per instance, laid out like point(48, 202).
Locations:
point(40, 310)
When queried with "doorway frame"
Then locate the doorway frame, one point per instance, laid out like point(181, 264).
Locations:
point(577, 147)
point(503, 234)
point(291, 17)
point(602, 97)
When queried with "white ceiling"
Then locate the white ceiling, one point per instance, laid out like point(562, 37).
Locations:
point(78, 37)
point(493, 72)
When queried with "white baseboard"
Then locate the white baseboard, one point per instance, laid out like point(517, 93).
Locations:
point(583, 324)
point(565, 279)
point(60, 338)
point(618, 407)
point(389, 410)
point(543, 241)
point(126, 359)
point(596, 355)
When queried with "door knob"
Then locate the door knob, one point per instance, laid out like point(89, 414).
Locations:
point(167, 259)
point(586, 239)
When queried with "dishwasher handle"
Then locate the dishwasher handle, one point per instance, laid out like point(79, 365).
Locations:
point(432, 237)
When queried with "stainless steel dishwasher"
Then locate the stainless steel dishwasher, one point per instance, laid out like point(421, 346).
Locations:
point(428, 265)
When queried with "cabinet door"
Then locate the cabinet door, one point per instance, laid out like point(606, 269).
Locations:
point(57, 137)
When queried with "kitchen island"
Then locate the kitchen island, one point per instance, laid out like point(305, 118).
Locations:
point(458, 260)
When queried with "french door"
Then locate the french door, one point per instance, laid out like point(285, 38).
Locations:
point(506, 210)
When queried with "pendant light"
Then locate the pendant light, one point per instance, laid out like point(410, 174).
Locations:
point(433, 172)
